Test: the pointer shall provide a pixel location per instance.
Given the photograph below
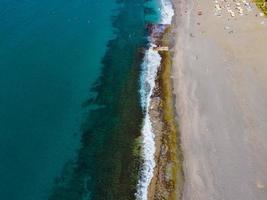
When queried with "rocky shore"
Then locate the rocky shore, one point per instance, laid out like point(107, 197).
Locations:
point(168, 177)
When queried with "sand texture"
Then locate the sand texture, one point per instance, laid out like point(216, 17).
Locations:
point(220, 84)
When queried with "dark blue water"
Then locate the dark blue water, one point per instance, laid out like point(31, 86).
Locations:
point(50, 55)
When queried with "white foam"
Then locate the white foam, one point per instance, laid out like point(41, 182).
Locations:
point(150, 67)
point(167, 11)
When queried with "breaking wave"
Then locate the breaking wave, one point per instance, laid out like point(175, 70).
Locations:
point(150, 66)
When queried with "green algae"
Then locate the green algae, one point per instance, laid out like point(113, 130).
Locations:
point(262, 4)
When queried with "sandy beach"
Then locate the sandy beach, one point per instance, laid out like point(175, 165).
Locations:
point(220, 84)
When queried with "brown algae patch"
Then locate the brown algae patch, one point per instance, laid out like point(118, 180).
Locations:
point(168, 175)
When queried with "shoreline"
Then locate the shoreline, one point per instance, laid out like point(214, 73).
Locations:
point(167, 181)
point(162, 171)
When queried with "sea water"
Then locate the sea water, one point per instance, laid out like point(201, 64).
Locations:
point(50, 56)
point(70, 107)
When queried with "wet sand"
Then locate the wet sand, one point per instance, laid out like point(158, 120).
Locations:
point(220, 83)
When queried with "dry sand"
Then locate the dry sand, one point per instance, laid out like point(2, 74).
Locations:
point(220, 82)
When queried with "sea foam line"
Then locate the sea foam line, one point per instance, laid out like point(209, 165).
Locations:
point(150, 66)
point(166, 11)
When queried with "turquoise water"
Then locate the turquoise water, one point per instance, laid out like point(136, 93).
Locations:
point(70, 114)
point(50, 55)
